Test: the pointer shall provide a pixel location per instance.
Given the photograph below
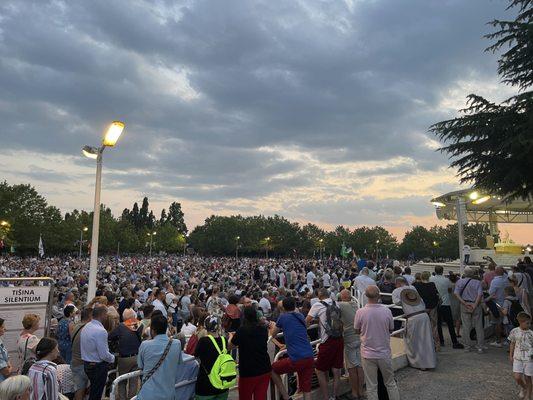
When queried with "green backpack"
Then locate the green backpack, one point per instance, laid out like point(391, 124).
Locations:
point(223, 374)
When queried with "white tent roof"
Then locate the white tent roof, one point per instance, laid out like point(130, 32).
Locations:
point(484, 208)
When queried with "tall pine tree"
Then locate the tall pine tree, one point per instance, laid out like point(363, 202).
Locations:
point(491, 144)
point(175, 217)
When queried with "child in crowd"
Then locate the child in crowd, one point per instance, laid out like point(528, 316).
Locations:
point(521, 353)
point(508, 310)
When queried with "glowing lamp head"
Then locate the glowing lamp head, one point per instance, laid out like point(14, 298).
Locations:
point(113, 133)
point(473, 195)
point(85, 229)
point(481, 200)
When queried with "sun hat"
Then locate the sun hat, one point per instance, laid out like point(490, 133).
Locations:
point(410, 297)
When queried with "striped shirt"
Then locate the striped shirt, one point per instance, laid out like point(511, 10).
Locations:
point(43, 376)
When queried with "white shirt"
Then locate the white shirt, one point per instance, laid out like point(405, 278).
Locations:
point(443, 284)
point(409, 278)
point(273, 274)
point(466, 249)
point(158, 305)
point(318, 310)
point(310, 279)
point(188, 330)
point(326, 279)
point(362, 282)
point(265, 306)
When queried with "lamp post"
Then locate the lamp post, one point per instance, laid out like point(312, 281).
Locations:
point(320, 241)
point(377, 251)
point(267, 239)
point(237, 247)
point(151, 238)
point(110, 139)
point(84, 229)
point(435, 245)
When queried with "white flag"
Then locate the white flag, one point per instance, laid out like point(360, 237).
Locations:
point(41, 247)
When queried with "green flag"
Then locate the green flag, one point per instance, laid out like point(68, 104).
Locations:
point(345, 251)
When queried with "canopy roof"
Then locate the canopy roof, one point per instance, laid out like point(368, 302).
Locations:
point(481, 207)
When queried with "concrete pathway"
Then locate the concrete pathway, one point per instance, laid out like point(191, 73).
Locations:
point(461, 376)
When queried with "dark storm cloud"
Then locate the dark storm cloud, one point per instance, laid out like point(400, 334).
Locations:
point(343, 85)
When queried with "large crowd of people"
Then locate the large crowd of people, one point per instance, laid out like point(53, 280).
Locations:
point(225, 322)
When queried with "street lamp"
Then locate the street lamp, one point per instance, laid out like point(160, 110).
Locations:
point(151, 237)
point(237, 247)
point(4, 223)
point(84, 229)
point(110, 139)
point(377, 250)
point(320, 247)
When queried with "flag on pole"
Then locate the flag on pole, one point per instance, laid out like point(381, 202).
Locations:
point(41, 247)
point(345, 251)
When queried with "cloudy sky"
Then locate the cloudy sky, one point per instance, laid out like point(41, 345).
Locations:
point(316, 110)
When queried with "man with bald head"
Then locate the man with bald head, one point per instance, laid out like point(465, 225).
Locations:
point(127, 337)
point(374, 324)
point(352, 343)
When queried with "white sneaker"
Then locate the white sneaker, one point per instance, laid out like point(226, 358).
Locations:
point(480, 351)
point(496, 344)
point(521, 393)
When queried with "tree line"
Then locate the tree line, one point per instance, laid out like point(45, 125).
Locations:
point(257, 235)
point(25, 215)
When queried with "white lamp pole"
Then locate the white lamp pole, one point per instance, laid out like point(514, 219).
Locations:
point(93, 268)
point(110, 139)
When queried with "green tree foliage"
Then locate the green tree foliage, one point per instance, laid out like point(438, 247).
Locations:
point(175, 217)
point(491, 144)
point(27, 215)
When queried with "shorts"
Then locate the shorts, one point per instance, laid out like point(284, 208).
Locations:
point(330, 355)
point(304, 368)
point(81, 381)
point(352, 354)
point(523, 367)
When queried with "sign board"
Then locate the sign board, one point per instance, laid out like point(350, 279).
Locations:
point(15, 302)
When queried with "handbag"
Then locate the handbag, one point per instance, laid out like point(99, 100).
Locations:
point(27, 362)
point(156, 367)
point(191, 345)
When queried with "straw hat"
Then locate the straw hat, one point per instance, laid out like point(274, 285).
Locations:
point(410, 297)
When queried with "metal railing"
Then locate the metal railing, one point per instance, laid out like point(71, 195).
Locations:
point(137, 374)
point(357, 297)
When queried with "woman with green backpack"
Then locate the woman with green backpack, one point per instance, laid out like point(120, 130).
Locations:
point(218, 370)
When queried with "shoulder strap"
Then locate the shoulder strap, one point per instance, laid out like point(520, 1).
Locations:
point(26, 347)
point(156, 367)
point(76, 333)
point(216, 344)
point(464, 287)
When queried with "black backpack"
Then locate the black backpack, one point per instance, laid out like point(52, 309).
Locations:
point(513, 312)
point(333, 326)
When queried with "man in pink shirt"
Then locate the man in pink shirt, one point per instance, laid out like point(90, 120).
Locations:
point(374, 323)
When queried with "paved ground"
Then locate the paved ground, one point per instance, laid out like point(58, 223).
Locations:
point(461, 376)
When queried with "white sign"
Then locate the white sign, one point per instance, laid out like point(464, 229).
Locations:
point(15, 302)
point(24, 295)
